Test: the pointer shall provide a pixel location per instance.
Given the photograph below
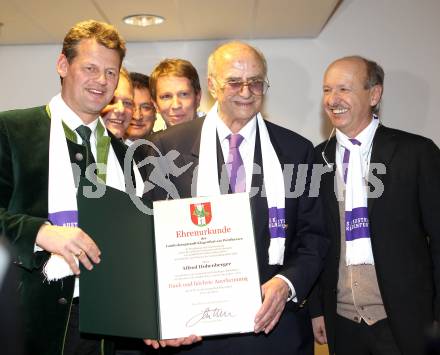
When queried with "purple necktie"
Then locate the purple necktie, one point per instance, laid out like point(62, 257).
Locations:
point(237, 175)
point(346, 158)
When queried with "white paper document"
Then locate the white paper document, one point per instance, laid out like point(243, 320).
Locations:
point(207, 269)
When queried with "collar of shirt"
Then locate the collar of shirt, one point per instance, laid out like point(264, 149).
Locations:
point(72, 120)
point(366, 153)
point(246, 147)
point(128, 142)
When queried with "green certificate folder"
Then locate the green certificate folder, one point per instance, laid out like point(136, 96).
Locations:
point(119, 296)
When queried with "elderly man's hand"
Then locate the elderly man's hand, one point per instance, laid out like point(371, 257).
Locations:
point(275, 293)
point(173, 342)
point(319, 333)
point(69, 242)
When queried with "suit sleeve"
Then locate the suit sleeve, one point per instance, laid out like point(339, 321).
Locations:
point(315, 303)
point(429, 200)
point(315, 298)
point(20, 229)
point(309, 243)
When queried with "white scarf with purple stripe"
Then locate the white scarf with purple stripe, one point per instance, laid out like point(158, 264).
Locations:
point(354, 172)
point(62, 205)
point(207, 180)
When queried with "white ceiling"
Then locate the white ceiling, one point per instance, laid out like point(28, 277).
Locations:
point(47, 21)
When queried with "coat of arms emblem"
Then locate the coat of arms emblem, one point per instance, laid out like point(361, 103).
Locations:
point(201, 213)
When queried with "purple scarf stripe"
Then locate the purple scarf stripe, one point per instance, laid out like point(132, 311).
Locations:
point(345, 161)
point(346, 158)
point(64, 218)
point(356, 224)
point(277, 221)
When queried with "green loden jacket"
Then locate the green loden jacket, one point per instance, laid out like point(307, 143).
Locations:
point(24, 161)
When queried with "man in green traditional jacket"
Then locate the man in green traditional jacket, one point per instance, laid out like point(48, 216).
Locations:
point(43, 150)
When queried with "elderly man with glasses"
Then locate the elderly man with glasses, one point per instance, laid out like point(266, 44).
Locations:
point(262, 159)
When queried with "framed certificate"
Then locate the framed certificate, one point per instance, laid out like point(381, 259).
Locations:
point(207, 269)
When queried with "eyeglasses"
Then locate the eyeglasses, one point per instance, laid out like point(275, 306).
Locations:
point(144, 109)
point(257, 87)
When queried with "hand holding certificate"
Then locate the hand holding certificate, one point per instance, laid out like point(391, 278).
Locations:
point(156, 344)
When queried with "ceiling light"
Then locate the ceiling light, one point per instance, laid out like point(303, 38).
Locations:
point(143, 20)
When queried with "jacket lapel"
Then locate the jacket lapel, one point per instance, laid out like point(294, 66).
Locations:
point(328, 182)
point(384, 146)
point(195, 149)
point(258, 203)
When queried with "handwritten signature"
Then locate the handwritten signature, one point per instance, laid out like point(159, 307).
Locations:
point(208, 313)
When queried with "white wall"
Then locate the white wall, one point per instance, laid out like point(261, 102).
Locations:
point(401, 35)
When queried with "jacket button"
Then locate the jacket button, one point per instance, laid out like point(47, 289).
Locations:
point(62, 300)
point(79, 156)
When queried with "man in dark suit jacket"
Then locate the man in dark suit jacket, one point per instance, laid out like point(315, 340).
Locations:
point(88, 66)
point(237, 79)
point(384, 308)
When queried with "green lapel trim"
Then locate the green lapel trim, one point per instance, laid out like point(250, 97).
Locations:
point(102, 146)
point(102, 150)
point(70, 135)
point(48, 111)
